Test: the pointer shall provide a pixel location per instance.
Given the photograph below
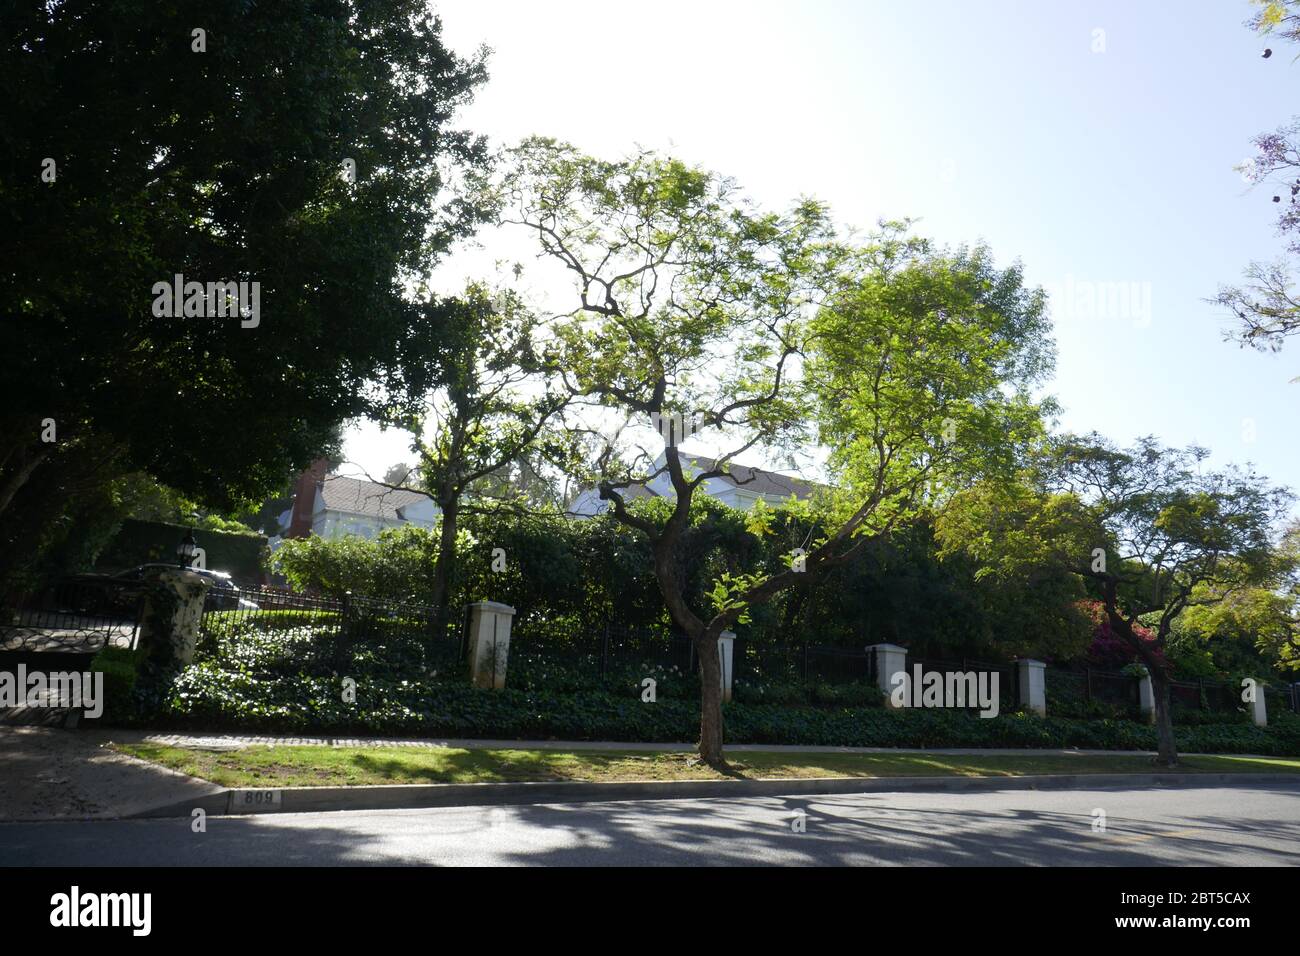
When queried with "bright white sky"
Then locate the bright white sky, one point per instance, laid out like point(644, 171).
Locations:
point(988, 120)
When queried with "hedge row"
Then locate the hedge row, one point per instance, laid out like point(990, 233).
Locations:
point(205, 697)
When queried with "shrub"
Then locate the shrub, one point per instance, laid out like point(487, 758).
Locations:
point(206, 697)
point(282, 671)
point(118, 665)
point(815, 693)
point(1194, 716)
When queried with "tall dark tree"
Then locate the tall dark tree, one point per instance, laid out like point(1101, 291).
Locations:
point(305, 145)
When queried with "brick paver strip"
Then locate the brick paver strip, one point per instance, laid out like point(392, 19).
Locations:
point(237, 741)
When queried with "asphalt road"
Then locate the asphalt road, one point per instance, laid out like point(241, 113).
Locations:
point(1216, 827)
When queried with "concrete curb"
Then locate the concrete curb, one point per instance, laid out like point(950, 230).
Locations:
point(423, 796)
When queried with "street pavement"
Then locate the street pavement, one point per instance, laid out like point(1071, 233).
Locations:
point(1226, 826)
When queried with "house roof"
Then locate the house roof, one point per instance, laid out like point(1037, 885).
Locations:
point(358, 497)
point(743, 477)
point(756, 480)
point(633, 492)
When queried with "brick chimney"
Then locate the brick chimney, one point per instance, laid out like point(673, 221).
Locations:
point(304, 498)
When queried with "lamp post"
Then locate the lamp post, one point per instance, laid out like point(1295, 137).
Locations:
point(186, 549)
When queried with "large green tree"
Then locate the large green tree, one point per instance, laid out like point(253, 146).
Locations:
point(1151, 529)
point(1255, 626)
point(306, 146)
point(492, 407)
point(699, 311)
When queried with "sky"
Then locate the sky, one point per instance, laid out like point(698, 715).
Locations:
point(1094, 142)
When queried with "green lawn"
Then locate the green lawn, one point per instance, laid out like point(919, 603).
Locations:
point(320, 766)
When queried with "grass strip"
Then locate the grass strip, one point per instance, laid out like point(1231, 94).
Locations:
point(326, 766)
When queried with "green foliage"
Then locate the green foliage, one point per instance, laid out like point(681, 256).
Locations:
point(119, 666)
point(65, 521)
point(281, 672)
point(921, 363)
point(209, 698)
point(576, 576)
point(493, 399)
point(557, 572)
point(155, 502)
point(809, 693)
point(1153, 534)
point(224, 165)
point(239, 553)
point(1189, 658)
point(1244, 629)
point(1068, 702)
point(1171, 526)
point(395, 566)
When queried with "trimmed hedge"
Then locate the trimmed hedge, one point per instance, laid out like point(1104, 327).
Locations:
point(142, 542)
point(209, 698)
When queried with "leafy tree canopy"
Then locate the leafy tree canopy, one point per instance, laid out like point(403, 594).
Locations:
point(307, 146)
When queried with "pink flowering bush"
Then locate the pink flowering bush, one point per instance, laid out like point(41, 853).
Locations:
point(1110, 651)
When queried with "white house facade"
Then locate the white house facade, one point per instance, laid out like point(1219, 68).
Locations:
point(333, 506)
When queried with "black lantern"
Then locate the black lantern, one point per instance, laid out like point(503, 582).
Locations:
point(186, 549)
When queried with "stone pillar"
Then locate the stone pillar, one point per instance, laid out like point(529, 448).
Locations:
point(1258, 711)
point(1031, 676)
point(890, 660)
point(169, 622)
point(1146, 698)
point(726, 647)
point(489, 643)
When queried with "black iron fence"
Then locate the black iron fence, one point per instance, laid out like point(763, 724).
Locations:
point(990, 678)
point(276, 628)
point(836, 665)
point(602, 651)
point(820, 663)
point(407, 638)
point(1209, 695)
point(804, 662)
point(1122, 691)
point(1092, 689)
point(1282, 697)
point(81, 613)
point(756, 663)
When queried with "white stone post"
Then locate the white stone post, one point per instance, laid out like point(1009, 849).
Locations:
point(489, 643)
point(890, 660)
point(169, 622)
point(1258, 711)
point(726, 642)
point(1147, 698)
point(1032, 678)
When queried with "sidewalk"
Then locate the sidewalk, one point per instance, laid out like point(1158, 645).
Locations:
point(55, 774)
point(238, 741)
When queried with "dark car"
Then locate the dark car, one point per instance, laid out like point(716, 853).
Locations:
point(223, 595)
point(119, 592)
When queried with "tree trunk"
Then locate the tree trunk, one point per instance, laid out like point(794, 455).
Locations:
point(446, 560)
point(1166, 751)
point(706, 646)
point(15, 481)
point(703, 638)
point(792, 608)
